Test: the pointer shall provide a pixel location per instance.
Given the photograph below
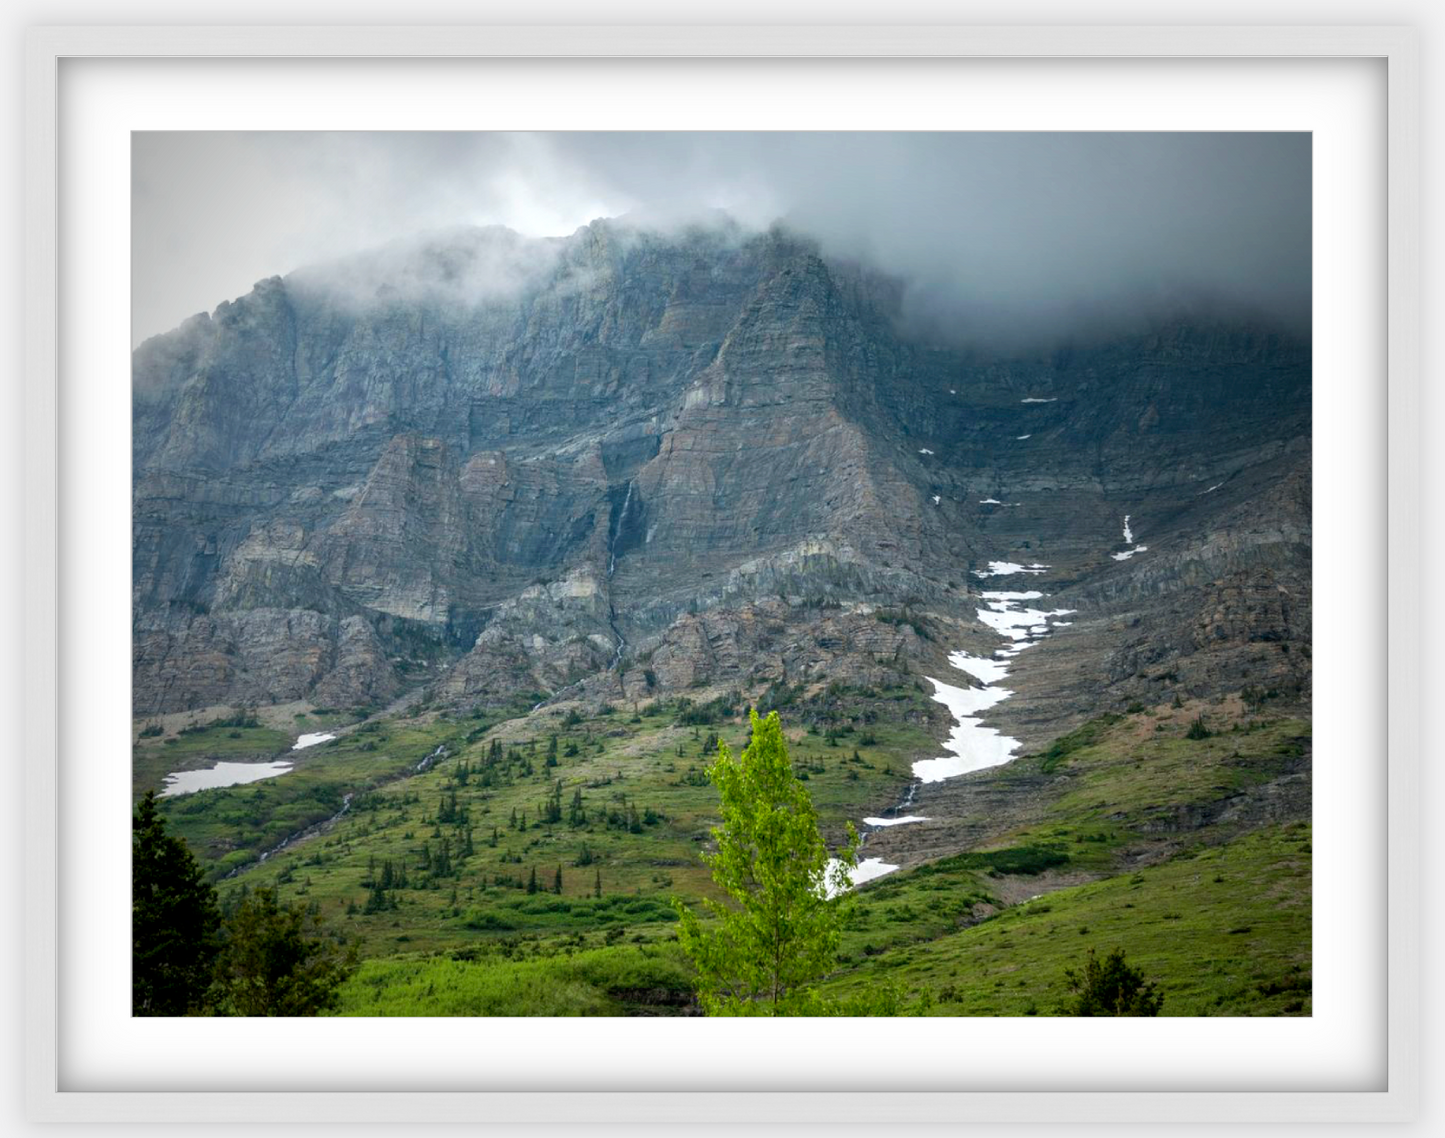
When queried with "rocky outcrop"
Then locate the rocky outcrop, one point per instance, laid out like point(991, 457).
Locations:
point(625, 462)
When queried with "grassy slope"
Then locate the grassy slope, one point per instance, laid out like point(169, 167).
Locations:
point(599, 981)
point(1223, 931)
point(1126, 791)
point(1122, 791)
point(622, 763)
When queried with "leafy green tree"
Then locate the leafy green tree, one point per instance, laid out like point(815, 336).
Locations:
point(273, 964)
point(175, 920)
point(1111, 988)
point(781, 931)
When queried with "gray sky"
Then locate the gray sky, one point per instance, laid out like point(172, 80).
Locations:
point(1006, 237)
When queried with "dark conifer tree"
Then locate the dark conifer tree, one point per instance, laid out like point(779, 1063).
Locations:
point(175, 921)
point(275, 963)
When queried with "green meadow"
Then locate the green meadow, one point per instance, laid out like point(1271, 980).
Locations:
point(529, 868)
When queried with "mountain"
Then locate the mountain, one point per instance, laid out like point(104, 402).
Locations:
point(627, 463)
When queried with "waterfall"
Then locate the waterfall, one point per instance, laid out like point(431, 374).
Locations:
point(617, 532)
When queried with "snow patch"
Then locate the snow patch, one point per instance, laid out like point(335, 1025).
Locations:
point(1020, 438)
point(971, 745)
point(865, 870)
point(222, 774)
point(1036, 399)
point(985, 668)
point(924, 450)
point(1129, 540)
point(311, 740)
point(989, 502)
point(936, 499)
point(894, 821)
point(1018, 624)
point(1008, 568)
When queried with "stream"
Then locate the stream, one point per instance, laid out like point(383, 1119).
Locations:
point(325, 824)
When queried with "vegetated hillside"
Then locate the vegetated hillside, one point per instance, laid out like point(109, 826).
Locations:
point(1190, 853)
point(529, 525)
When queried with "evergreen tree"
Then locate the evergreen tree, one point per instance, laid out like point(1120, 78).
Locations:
point(782, 930)
point(377, 900)
point(1111, 988)
point(557, 882)
point(597, 885)
point(274, 965)
point(532, 881)
point(175, 920)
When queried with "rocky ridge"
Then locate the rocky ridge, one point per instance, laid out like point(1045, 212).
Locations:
point(624, 464)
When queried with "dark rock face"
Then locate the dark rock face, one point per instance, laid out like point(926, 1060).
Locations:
point(625, 464)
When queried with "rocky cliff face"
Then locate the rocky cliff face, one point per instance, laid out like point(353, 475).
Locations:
point(626, 463)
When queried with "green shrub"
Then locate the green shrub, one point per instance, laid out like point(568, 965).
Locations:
point(1076, 740)
point(1111, 988)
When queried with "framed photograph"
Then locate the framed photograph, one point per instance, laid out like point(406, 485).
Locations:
point(709, 531)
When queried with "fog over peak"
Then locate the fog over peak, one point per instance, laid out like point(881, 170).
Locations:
point(1003, 240)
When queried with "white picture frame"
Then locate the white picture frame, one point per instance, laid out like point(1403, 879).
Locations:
point(46, 51)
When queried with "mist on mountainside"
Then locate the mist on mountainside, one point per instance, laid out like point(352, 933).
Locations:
point(1013, 242)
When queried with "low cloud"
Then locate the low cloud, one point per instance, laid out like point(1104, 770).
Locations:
point(1004, 240)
